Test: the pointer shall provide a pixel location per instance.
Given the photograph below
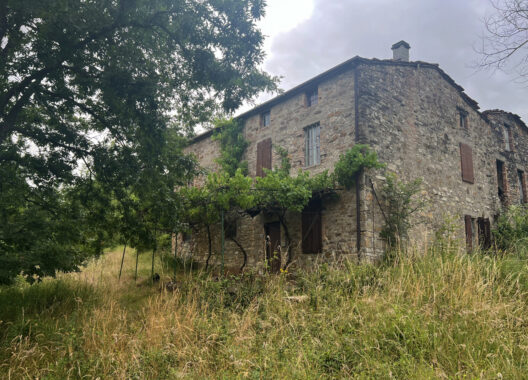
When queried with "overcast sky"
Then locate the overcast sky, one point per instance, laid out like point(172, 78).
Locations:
point(307, 37)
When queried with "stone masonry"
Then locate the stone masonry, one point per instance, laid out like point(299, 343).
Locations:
point(416, 118)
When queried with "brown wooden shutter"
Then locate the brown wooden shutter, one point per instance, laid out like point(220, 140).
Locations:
point(466, 158)
point(263, 156)
point(469, 232)
point(312, 241)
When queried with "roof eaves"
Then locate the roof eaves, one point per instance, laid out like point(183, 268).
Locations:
point(336, 70)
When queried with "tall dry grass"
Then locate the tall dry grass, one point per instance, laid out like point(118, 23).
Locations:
point(435, 315)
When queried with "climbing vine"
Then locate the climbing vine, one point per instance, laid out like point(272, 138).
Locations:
point(233, 145)
point(277, 192)
point(350, 164)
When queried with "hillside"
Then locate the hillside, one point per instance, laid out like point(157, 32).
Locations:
point(439, 315)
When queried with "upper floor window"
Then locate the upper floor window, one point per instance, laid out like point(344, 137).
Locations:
point(507, 135)
point(463, 118)
point(522, 186)
point(265, 119)
point(312, 148)
point(501, 180)
point(312, 97)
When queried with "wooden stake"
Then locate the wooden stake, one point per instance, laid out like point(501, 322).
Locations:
point(122, 261)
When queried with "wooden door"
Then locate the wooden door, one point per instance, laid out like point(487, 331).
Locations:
point(273, 247)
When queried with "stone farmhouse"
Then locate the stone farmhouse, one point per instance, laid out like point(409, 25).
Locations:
point(421, 124)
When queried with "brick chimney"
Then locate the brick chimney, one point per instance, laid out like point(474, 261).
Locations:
point(400, 51)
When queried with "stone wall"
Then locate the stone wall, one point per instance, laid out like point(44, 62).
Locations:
point(410, 114)
point(335, 114)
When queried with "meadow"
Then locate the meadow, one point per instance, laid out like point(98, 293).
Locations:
point(436, 314)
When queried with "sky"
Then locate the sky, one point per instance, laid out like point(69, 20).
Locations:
point(307, 37)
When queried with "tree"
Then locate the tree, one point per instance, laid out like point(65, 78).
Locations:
point(506, 39)
point(400, 201)
point(113, 85)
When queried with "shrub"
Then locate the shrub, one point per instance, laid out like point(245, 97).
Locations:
point(511, 233)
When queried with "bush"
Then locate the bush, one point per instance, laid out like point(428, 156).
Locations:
point(511, 233)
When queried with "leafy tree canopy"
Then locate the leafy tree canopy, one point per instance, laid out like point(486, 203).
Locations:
point(110, 84)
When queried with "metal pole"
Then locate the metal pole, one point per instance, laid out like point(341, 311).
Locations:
point(223, 242)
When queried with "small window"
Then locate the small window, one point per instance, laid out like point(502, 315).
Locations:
point(463, 118)
point(501, 180)
point(312, 241)
point(312, 97)
point(466, 159)
point(265, 119)
point(507, 136)
point(522, 186)
point(312, 145)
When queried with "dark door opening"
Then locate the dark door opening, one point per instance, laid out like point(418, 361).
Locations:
point(484, 231)
point(273, 248)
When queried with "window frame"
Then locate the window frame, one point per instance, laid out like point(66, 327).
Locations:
point(265, 119)
point(521, 177)
point(312, 143)
point(311, 95)
point(463, 118)
point(502, 177)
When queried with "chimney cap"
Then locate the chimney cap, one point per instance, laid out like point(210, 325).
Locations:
point(401, 43)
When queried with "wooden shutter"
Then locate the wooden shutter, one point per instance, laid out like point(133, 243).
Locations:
point(263, 156)
point(469, 232)
point(312, 241)
point(466, 158)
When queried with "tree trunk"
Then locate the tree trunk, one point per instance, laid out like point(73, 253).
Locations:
point(282, 219)
point(243, 253)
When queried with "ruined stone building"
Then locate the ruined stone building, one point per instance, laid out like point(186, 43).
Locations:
point(421, 124)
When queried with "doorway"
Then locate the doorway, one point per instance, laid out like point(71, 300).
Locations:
point(273, 246)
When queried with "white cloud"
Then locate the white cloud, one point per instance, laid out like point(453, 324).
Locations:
point(308, 37)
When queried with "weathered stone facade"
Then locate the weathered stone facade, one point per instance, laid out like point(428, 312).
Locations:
point(415, 117)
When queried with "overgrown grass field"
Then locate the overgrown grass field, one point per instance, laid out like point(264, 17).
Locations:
point(436, 315)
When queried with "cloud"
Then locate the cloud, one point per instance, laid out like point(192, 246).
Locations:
point(444, 32)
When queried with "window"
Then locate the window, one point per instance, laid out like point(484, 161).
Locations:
point(230, 229)
point(522, 186)
point(463, 118)
point(312, 241)
point(507, 136)
point(312, 97)
point(466, 158)
point(263, 157)
point(501, 180)
point(265, 119)
point(312, 150)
